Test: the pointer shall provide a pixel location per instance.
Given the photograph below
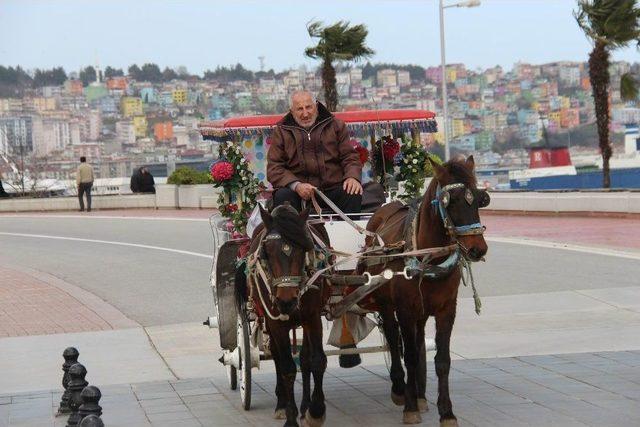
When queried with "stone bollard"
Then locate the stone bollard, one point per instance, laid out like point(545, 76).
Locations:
point(70, 355)
point(91, 421)
point(90, 397)
point(76, 384)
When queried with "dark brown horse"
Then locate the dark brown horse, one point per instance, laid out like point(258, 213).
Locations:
point(447, 214)
point(278, 264)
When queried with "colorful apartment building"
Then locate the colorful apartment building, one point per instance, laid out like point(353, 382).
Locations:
point(117, 83)
point(140, 126)
point(95, 91)
point(163, 131)
point(131, 106)
point(457, 127)
point(148, 95)
point(73, 87)
point(179, 96)
point(41, 104)
point(569, 118)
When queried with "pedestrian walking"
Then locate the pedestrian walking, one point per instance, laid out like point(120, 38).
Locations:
point(84, 180)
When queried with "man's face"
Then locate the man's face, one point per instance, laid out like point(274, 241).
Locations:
point(304, 110)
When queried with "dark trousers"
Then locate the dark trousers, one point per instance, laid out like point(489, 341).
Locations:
point(85, 188)
point(348, 203)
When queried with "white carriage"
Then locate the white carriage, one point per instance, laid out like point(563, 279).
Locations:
point(243, 341)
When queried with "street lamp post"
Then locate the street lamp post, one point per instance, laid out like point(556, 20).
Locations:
point(445, 106)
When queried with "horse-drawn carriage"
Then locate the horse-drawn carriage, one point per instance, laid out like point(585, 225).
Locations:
point(355, 265)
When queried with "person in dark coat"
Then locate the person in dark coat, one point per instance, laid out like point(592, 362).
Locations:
point(135, 181)
point(310, 149)
point(147, 183)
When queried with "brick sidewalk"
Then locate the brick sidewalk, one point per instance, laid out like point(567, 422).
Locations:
point(35, 303)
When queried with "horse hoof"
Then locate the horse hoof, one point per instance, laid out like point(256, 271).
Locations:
point(449, 422)
point(422, 405)
point(398, 399)
point(411, 418)
point(309, 421)
point(280, 414)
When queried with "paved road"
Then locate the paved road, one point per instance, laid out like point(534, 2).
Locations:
point(155, 287)
point(557, 342)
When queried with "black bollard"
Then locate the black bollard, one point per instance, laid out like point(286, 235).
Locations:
point(91, 421)
point(90, 397)
point(76, 384)
point(70, 355)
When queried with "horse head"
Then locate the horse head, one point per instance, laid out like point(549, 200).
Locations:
point(283, 254)
point(457, 200)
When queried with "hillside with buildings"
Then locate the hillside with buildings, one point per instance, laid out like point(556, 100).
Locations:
point(151, 117)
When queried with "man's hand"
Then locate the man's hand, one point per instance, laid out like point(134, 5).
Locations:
point(305, 190)
point(352, 186)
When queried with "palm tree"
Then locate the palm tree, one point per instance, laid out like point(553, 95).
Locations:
point(609, 24)
point(338, 42)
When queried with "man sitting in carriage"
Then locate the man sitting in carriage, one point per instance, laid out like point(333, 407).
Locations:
point(310, 149)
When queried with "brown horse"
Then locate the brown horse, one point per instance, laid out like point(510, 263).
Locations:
point(278, 268)
point(447, 215)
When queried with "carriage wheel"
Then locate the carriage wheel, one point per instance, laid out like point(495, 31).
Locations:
point(232, 377)
point(244, 373)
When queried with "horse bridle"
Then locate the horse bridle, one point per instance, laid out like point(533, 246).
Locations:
point(442, 200)
point(285, 281)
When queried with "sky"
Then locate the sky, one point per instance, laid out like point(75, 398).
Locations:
point(202, 34)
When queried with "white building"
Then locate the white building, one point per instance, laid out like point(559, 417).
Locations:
point(182, 136)
point(55, 135)
point(403, 78)
point(125, 133)
point(355, 75)
point(569, 76)
point(387, 78)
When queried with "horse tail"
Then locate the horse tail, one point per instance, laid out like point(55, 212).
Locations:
point(241, 288)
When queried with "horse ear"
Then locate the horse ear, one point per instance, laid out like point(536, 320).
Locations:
point(304, 215)
point(471, 164)
point(439, 171)
point(266, 217)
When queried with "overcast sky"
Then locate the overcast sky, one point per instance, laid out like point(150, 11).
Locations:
point(201, 34)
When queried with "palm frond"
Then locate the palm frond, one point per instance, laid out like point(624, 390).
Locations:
point(628, 87)
point(615, 23)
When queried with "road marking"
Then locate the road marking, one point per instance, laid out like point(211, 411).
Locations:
point(509, 240)
point(566, 246)
point(108, 242)
point(74, 217)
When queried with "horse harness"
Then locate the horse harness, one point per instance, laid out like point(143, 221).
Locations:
point(406, 248)
point(258, 267)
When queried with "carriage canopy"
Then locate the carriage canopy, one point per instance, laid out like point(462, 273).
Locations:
point(252, 133)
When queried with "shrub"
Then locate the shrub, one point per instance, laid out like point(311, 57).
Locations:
point(189, 176)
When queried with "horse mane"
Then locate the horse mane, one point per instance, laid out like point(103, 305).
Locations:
point(287, 222)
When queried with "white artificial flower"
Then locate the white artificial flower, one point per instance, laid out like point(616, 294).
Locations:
point(415, 161)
